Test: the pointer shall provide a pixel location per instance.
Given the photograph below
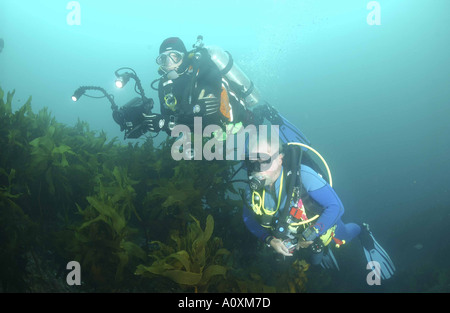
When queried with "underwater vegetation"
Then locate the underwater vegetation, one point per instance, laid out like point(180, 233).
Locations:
point(138, 221)
point(135, 219)
point(192, 260)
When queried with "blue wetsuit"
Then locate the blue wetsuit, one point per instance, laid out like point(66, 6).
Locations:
point(319, 190)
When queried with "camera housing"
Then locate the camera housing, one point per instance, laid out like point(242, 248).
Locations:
point(131, 119)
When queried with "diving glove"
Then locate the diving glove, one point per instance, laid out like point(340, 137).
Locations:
point(207, 106)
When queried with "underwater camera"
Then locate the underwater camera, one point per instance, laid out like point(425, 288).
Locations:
point(130, 116)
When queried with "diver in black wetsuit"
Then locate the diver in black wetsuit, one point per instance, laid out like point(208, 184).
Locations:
point(207, 83)
point(193, 86)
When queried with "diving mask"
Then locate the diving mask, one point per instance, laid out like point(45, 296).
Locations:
point(170, 59)
point(262, 163)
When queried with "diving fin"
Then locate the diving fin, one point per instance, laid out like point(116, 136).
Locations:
point(375, 253)
point(329, 261)
point(288, 132)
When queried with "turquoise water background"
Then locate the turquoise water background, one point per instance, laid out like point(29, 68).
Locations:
point(373, 99)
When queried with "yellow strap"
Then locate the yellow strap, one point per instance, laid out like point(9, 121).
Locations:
point(261, 200)
point(256, 207)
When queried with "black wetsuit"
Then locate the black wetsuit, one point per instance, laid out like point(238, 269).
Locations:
point(197, 75)
point(187, 87)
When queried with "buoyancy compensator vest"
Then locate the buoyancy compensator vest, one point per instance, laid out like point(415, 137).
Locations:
point(300, 209)
point(298, 205)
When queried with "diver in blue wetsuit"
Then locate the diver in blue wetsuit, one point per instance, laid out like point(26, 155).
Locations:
point(290, 206)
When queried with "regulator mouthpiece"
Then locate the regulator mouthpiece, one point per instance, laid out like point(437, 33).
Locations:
point(172, 75)
point(256, 183)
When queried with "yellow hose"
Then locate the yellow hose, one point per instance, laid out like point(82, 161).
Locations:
point(318, 154)
point(328, 171)
point(304, 222)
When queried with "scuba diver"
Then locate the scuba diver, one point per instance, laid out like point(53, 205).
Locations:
point(192, 84)
point(289, 206)
point(206, 82)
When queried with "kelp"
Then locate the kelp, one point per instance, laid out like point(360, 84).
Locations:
point(17, 233)
point(13, 128)
point(193, 260)
point(104, 237)
point(67, 193)
point(49, 160)
point(253, 284)
point(295, 277)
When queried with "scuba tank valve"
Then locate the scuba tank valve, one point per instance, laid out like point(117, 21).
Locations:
point(199, 43)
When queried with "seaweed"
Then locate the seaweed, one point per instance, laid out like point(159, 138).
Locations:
point(129, 214)
point(194, 260)
point(103, 242)
point(16, 237)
